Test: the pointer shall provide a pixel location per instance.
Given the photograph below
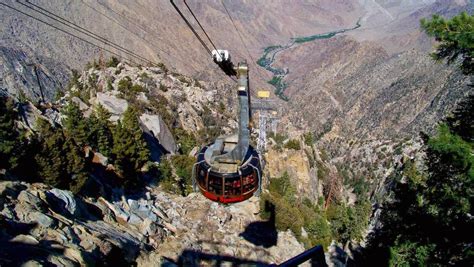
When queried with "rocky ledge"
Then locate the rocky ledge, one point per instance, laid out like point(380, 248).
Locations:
point(43, 226)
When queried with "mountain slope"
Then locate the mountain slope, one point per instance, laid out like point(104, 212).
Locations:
point(154, 30)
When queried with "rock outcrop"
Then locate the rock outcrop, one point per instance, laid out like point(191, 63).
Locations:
point(159, 228)
point(205, 228)
point(112, 103)
point(154, 126)
point(25, 75)
point(74, 230)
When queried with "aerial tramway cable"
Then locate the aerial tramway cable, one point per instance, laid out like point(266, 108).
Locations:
point(195, 33)
point(134, 33)
point(241, 37)
point(191, 27)
point(66, 32)
point(141, 27)
point(82, 30)
point(199, 23)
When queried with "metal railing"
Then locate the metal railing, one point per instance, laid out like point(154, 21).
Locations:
point(315, 255)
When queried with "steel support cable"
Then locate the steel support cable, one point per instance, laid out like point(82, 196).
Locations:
point(142, 28)
point(241, 38)
point(111, 19)
point(202, 28)
point(199, 23)
point(84, 31)
point(196, 34)
point(191, 27)
point(64, 31)
point(125, 28)
point(132, 32)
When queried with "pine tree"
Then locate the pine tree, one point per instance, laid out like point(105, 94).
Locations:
point(60, 160)
point(100, 131)
point(104, 134)
point(455, 37)
point(11, 142)
point(75, 166)
point(75, 125)
point(131, 123)
point(50, 159)
point(120, 149)
point(93, 127)
point(449, 195)
point(432, 208)
point(130, 150)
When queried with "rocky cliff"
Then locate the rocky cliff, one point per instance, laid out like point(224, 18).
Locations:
point(45, 226)
point(361, 91)
point(54, 226)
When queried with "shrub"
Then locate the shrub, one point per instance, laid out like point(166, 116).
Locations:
point(163, 88)
point(163, 67)
point(113, 62)
point(324, 155)
point(144, 76)
point(282, 187)
point(293, 144)
point(128, 90)
point(124, 85)
point(286, 215)
point(183, 80)
point(278, 137)
point(186, 140)
point(308, 138)
point(167, 182)
point(319, 231)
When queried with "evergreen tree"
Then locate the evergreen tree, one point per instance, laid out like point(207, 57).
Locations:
point(122, 148)
point(100, 133)
point(11, 142)
point(167, 181)
point(113, 62)
point(456, 37)
point(75, 166)
point(448, 196)
point(104, 134)
point(51, 159)
point(131, 123)
point(432, 209)
point(130, 150)
point(430, 220)
point(186, 140)
point(183, 165)
point(75, 125)
point(93, 127)
point(59, 160)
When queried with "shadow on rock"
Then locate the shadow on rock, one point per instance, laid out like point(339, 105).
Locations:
point(262, 233)
point(18, 247)
point(19, 253)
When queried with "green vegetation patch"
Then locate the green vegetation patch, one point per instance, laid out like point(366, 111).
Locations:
point(340, 222)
